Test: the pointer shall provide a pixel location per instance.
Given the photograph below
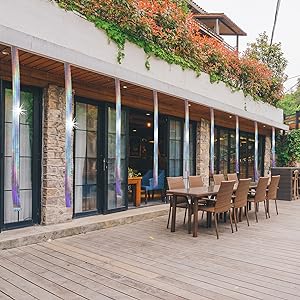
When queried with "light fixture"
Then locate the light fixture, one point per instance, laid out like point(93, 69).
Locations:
point(148, 114)
point(5, 52)
point(190, 105)
point(149, 124)
point(125, 87)
point(230, 117)
point(264, 126)
point(134, 130)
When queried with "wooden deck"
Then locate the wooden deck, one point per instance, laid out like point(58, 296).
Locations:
point(145, 261)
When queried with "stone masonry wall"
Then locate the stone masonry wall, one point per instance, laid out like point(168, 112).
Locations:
point(268, 156)
point(202, 153)
point(53, 208)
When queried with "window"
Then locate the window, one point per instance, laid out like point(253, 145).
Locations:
point(225, 155)
point(175, 147)
point(86, 158)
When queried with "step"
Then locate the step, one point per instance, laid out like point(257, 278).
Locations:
point(38, 233)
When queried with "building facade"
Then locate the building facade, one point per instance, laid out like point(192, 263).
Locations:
point(73, 119)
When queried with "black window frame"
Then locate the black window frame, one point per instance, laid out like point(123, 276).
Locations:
point(36, 162)
point(261, 150)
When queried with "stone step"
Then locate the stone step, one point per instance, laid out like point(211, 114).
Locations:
point(37, 234)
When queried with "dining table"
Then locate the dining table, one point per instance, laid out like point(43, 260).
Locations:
point(193, 196)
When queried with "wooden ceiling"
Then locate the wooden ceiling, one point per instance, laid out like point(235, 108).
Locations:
point(39, 71)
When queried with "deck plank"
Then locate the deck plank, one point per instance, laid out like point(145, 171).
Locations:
point(145, 261)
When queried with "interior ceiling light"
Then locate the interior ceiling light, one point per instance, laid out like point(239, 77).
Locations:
point(5, 52)
point(134, 130)
point(148, 114)
point(124, 86)
point(148, 124)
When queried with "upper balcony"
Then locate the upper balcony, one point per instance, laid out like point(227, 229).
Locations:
point(216, 25)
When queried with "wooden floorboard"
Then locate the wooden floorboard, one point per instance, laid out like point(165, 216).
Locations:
point(144, 260)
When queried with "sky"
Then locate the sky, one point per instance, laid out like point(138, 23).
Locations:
point(256, 16)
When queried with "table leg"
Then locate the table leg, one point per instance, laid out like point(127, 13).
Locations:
point(189, 217)
point(173, 220)
point(195, 210)
point(138, 193)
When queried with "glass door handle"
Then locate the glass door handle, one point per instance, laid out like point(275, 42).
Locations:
point(105, 164)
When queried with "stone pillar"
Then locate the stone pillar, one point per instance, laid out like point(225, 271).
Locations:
point(202, 151)
point(268, 156)
point(53, 207)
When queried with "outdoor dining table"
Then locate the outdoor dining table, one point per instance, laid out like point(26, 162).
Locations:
point(193, 195)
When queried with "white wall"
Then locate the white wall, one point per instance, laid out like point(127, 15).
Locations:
point(41, 27)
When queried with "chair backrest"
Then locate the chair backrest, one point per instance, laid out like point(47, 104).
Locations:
point(241, 194)
point(146, 177)
point(233, 176)
point(273, 188)
point(261, 190)
point(224, 196)
point(196, 181)
point(161, 179)
point(218, 178)
point(175, 183)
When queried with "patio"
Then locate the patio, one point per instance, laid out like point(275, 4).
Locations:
point(144, 260)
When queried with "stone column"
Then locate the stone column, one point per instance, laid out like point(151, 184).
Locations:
point(268, 156)
point(202, 151)
point(53, 207)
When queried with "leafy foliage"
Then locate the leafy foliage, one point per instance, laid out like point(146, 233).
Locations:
point(290, 102)
point(273, 57)
point(288, 148)
point(166, 29)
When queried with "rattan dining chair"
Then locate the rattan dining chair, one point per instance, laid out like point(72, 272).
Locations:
point(182, 202)
point(218, 178)
point(272, 192)
point(240, 199)
point(296, 184)
point(195, 181)
point(222, 203)
point(260, 195)
point(233, 176)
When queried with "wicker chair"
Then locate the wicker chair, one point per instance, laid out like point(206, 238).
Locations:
point(272, 192)
point(233, 176)
point(296, 184)
point(260, 195)
point(182, 202)
point(222, 203)
point(196, 181)
point(218, 178)
point(241, 199)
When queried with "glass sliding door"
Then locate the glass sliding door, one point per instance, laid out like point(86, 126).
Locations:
point(192, 154)
point(85, 156)
point(225, 152)
point(30, 158)
point(175, 147)
point(114, 202)
point(94, 158)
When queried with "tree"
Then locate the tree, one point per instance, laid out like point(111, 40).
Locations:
point(291, 101)
point(271, 55)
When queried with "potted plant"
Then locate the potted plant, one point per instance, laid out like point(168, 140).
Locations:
point(133, 173)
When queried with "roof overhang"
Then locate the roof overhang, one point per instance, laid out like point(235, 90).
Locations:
point(226, 25)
